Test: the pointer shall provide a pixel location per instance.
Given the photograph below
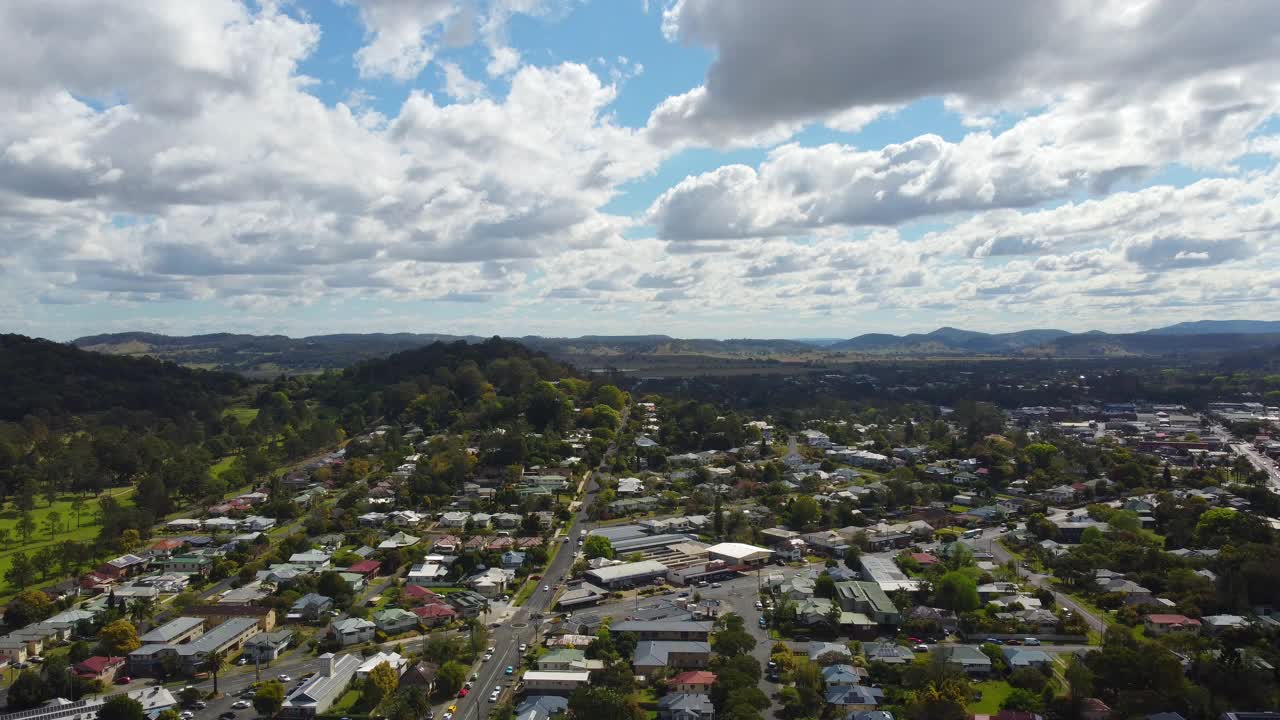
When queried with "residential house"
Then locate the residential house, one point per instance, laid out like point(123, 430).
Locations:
point(1019, 657)
point(820, 649)
point(175, 632)
point(686, 706)
point(225, 638)
point(843, 674)
point(657, 655)
point(854, 698)
point(1161, 624)
point(541, 707)
point(454, 519)
point(310, 608)
point(352, 631)
point(266, 647)
point(435, 614)
point(399, 540)
point(394, 621)
point(968, 658)
point(99, 667)
point(311, 559)
point(393, 660)
point(692, 681)
point(694, 630)
point(554, 683)
point(257, 523)
point(422, 675)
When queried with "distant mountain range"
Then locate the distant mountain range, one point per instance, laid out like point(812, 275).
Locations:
point(264, 355)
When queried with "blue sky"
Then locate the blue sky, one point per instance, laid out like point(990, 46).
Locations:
point(688, 167)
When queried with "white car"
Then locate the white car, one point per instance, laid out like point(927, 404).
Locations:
point(524, 648)
point(759, 605)
point(240, 704)
point(493, 696)
point(283, 678)
point(546, 588)
point(487, 657)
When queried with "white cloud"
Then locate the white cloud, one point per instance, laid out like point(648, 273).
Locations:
point(779, 65)
point(458, 86)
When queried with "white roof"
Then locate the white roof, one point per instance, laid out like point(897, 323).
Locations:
point(738, 551)
point(552, 675)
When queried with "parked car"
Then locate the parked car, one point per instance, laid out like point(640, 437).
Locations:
point(124, 680)
point(524, 648)
point(1031, 641)
point(487, 657)
point(228, 715)
point(240, 704)
point(920, 648)
point(510, 670)
point(463, 692)
point(283, 678)
point(493, 696)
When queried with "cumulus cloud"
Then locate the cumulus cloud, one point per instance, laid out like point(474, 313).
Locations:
point(779, 65)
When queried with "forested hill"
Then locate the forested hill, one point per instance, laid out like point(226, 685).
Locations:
point(445, 380)
point(56, 381)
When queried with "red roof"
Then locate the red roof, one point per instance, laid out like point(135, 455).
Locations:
point(924, 558)
point(694, 677)
point(434, 610)
point(167, 544)
point(97, 665)
point(365, 567)
point(1159, 619)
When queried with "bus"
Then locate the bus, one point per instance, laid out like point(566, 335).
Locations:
point(970, 534)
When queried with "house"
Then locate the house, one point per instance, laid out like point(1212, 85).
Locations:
point(1019, 657)
point(869, 599)
point(692, 681)
point(1160, 624)
point(686, 706)
point(154, 700)
point(317, 695)
point(851, 698)
point(310, 607)
point(435, 614)
point(266, 647)
point(428, 573)
point(554, 683)
point(188, 564)
point(843, 674)
point(945, 619)
point(399, 540)
point(1218, 624)
point(490, 582)
point(506, 521)
point(353, 631)
point(820, 649)
point(468, 603)
point(311, 559)
point(394, 660)
point(541, 707)
point(394, 621)
point(422, 675)
point(368, 569)
point(454, 519)
point(656, 655)
point(222, 524)
point(99, 667)
point(968, 658)
point(219, 613)
point(257, 523)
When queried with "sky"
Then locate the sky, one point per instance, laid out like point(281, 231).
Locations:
point(699, 168)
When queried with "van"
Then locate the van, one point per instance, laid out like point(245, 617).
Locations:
point(1031, 641)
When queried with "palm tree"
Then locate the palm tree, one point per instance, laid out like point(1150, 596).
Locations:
point(77, 507)
point(215, 662)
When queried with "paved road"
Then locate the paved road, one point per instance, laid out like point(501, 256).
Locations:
point(992, 540)
point(524, 624)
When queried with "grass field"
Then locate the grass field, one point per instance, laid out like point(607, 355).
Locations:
point(993, 693)
point(85, 531)
point(244, 414)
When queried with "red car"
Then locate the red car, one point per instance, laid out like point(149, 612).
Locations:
point(124, 680)
point(463, 692)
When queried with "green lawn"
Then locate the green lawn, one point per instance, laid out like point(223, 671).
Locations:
point(85, 531)
point(244, 414)
point(993, 694)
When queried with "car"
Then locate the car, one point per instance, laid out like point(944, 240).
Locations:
point(242, 660)
point(920, 647)
point(773, 665)
point(716, 585)
point(228, 715)
point(759, 605)
point(1014, 641)
point(21, 665)
point(682, 596)
point(475, 677)
point(452, 709)
point(240, 704)
point(487, 657)
point(510, 670)
point(491, 650)
point(493, 696)
point(334, 613)
point(447, 716)
point(466, 685)
point(524, 648)
point(283, 678)
point(1031, 641)
point(200, 704)
point(497, 688)
point(187, 715)
point(431, 714)
point(993, 641)
point(124, 680)
point(546, 588)
point(463, 692)
point(763, 623)
point(35, 659)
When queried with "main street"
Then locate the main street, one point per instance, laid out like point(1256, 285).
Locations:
point(992, 538)
point(522, 624)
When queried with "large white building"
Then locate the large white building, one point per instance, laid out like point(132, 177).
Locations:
point(318, 694)
point(734, 553)
point(153, 700)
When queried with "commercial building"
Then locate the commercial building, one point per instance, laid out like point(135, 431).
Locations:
point(665, 629)
point(225, 638)
point(318, 694)
point(733, 553)
point(626, 575)
point(551, 682)
point(884, 571)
